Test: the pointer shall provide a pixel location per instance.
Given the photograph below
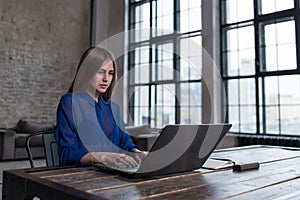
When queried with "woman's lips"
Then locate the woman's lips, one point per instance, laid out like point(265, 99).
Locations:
point(103, 86)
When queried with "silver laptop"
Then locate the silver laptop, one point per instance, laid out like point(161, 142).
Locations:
point(178, 148)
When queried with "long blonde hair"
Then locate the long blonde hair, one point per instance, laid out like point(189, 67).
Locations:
point(90, 62)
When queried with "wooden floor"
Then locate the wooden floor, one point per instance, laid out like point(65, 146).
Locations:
point(20, 164)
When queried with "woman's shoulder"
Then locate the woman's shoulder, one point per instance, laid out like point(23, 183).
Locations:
point(69, 99)
point(71, 96)
point(66, 98)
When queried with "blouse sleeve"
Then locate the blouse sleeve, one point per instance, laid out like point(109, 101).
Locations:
point(70, 148)
point(125, 141)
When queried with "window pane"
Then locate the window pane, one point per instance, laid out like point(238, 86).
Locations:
point(163, 69)
point(271, 105)
point(153, 107)
point(163, 17)
point(246, 53)
point(190, 58)
point(232, 63)
point(140, 68)
point(165, 115)
point(237, 10)
point(184, 69)
point(141, 104)
point(247, 92)
point(262, 120)
point(241, 92)
point(233, 92)
point(190, 114)
point(247, 62)
point(248, 119)
point(233, 113)
point(189, 11)
point(289, 87)
point(190, 94)
point(190, 102)
point(241, 52)
point(141, 73)
point(241, 105)
point(246, 37)
point(184, 21)
point(141, 96)
point(141, 20)
point(271, 90)
point(232, 39)
point(287, 57)
point(269, 6)
point(166, 95)
point(272, 123)
point(195, 94)
point(141, 115)
point(165, 104)
point(279, 50)
point(195, 13)
point(271, 58)
point(290, 120)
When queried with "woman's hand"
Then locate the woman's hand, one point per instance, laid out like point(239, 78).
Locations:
point(139, 155)
point(109, 158)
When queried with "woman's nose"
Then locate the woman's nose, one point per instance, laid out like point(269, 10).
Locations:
point(105, 75)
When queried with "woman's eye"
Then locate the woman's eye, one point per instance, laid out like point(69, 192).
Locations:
point(112, 72)
point(101, 71)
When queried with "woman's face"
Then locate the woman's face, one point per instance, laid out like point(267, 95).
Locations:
point(103, 77)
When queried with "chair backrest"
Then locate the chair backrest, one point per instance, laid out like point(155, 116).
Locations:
point(50, 148)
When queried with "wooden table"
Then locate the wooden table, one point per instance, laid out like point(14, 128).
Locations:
point(278, 176)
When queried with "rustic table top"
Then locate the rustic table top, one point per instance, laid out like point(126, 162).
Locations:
point(277, 176)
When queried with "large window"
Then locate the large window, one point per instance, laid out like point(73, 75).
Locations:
point(164, 81)
point(261, 65)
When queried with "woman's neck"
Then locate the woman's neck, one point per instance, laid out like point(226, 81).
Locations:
point(94, 94)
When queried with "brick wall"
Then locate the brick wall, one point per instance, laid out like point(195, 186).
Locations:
point(41, 42)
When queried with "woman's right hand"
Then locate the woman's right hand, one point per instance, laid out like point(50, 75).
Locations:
point(110, 158)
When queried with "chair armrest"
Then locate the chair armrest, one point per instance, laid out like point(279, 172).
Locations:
point(7, 144)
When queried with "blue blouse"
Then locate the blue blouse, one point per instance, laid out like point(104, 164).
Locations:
point(84, 125)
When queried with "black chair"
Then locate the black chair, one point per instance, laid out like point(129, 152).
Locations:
point(50, 148)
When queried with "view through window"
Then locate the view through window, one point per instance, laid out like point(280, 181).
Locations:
point(260, 65)
point(164, 87)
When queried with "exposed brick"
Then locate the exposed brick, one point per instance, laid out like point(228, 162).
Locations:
point(40, 46)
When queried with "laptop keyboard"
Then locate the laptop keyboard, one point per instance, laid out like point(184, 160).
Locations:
point(118, 167)
point(125, 168)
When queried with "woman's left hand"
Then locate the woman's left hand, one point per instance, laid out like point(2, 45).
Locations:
point(139, 155)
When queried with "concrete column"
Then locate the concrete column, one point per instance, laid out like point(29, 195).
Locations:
point(212, 110)
point(108, 21)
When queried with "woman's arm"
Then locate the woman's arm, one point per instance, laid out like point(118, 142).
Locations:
point(70, 148)
point(125, 142)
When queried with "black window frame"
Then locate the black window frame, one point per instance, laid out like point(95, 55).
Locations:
point(257, 20)
point(174, 39)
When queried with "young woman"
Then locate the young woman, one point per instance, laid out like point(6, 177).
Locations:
point(89, 126)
